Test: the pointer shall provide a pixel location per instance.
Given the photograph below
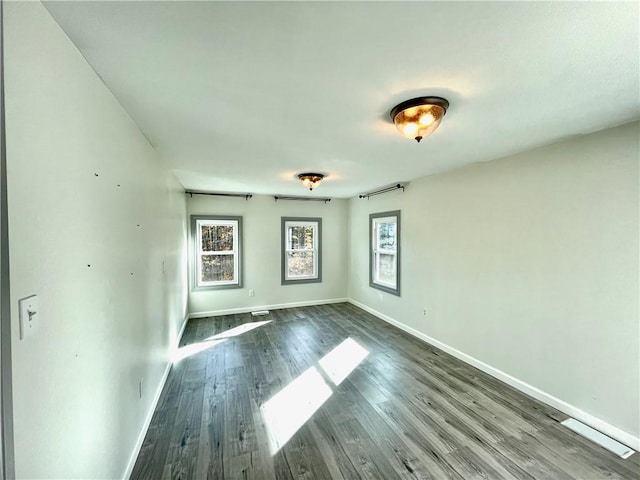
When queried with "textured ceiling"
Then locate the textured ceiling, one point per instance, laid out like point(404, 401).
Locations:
point(242, 96)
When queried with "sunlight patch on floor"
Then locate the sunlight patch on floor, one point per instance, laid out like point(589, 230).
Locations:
point(342, 360)
point(289, 409)
point(292, 406)
point(194, 348)
point(239, 330)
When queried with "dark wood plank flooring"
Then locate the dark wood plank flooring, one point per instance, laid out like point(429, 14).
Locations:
point(407, 411)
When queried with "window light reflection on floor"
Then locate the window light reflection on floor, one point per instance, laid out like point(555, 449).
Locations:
point(292, 406)
point(342, 360)
point(289, 409)
point(239, 330)
point(193, 348)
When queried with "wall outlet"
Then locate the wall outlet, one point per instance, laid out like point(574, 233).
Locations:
point(424, 312)
point(140, 387)
point(252, 293)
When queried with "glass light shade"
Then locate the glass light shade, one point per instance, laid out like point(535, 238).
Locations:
point(419, 117)
point(311, 180)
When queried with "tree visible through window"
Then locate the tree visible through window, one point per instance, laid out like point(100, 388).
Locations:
point(385, 251)
point(301, 250)
point(217, 251)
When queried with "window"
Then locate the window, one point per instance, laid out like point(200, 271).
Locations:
point(217, 246)
point(384, 255)
point(301, 250)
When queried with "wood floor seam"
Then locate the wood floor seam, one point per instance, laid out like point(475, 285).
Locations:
point(293, 395)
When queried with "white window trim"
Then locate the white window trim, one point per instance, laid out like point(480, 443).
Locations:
point(287, 251)
point(235, 252)
point(376, 252)
point(316, 224)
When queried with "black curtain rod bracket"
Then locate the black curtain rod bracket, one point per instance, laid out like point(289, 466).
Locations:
point(246, 196)
point(382, 190)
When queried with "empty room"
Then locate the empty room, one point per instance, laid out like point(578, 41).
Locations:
point(320, 240)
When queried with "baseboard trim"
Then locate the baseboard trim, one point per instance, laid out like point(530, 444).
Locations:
point(215, 313)
point(571, 410)
point(154, 404)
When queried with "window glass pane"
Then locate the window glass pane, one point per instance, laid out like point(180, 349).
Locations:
point(387, 269)
point(217, 268)
point(301, 237)
point(217, 238)
point(384, 251)
point(300, 264)
point(387, 232)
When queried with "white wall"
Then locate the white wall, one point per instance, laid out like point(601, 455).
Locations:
point(261, 253)
point(103, 326)
point(528, 264)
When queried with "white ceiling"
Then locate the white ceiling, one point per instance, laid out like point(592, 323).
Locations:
point(242, 96)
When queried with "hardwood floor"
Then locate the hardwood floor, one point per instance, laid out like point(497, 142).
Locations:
point(405, 411)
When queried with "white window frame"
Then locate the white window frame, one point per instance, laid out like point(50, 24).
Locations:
point(375, 252)
point(210, 220)
point(316, 224)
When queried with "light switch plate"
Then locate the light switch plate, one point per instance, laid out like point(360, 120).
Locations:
point(29, 316)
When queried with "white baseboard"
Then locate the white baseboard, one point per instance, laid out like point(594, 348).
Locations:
point(215, 313)
point(571, 410)
point(154, 404)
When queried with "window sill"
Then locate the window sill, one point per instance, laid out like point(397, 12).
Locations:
point(302, 280)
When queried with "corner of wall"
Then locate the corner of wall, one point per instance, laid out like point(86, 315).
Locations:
point(565, 407)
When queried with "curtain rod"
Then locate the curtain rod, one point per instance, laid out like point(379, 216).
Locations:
point(303, 199)
point(382, 190)
point(246, 196)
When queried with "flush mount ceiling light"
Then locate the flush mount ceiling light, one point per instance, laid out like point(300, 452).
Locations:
point(418, 117)
point(311, 180)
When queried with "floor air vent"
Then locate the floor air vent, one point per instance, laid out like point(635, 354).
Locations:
point(260, 313)
point(599, 438)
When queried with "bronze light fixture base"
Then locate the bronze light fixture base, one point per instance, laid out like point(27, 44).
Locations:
point(419, 117)
point(311, 180)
